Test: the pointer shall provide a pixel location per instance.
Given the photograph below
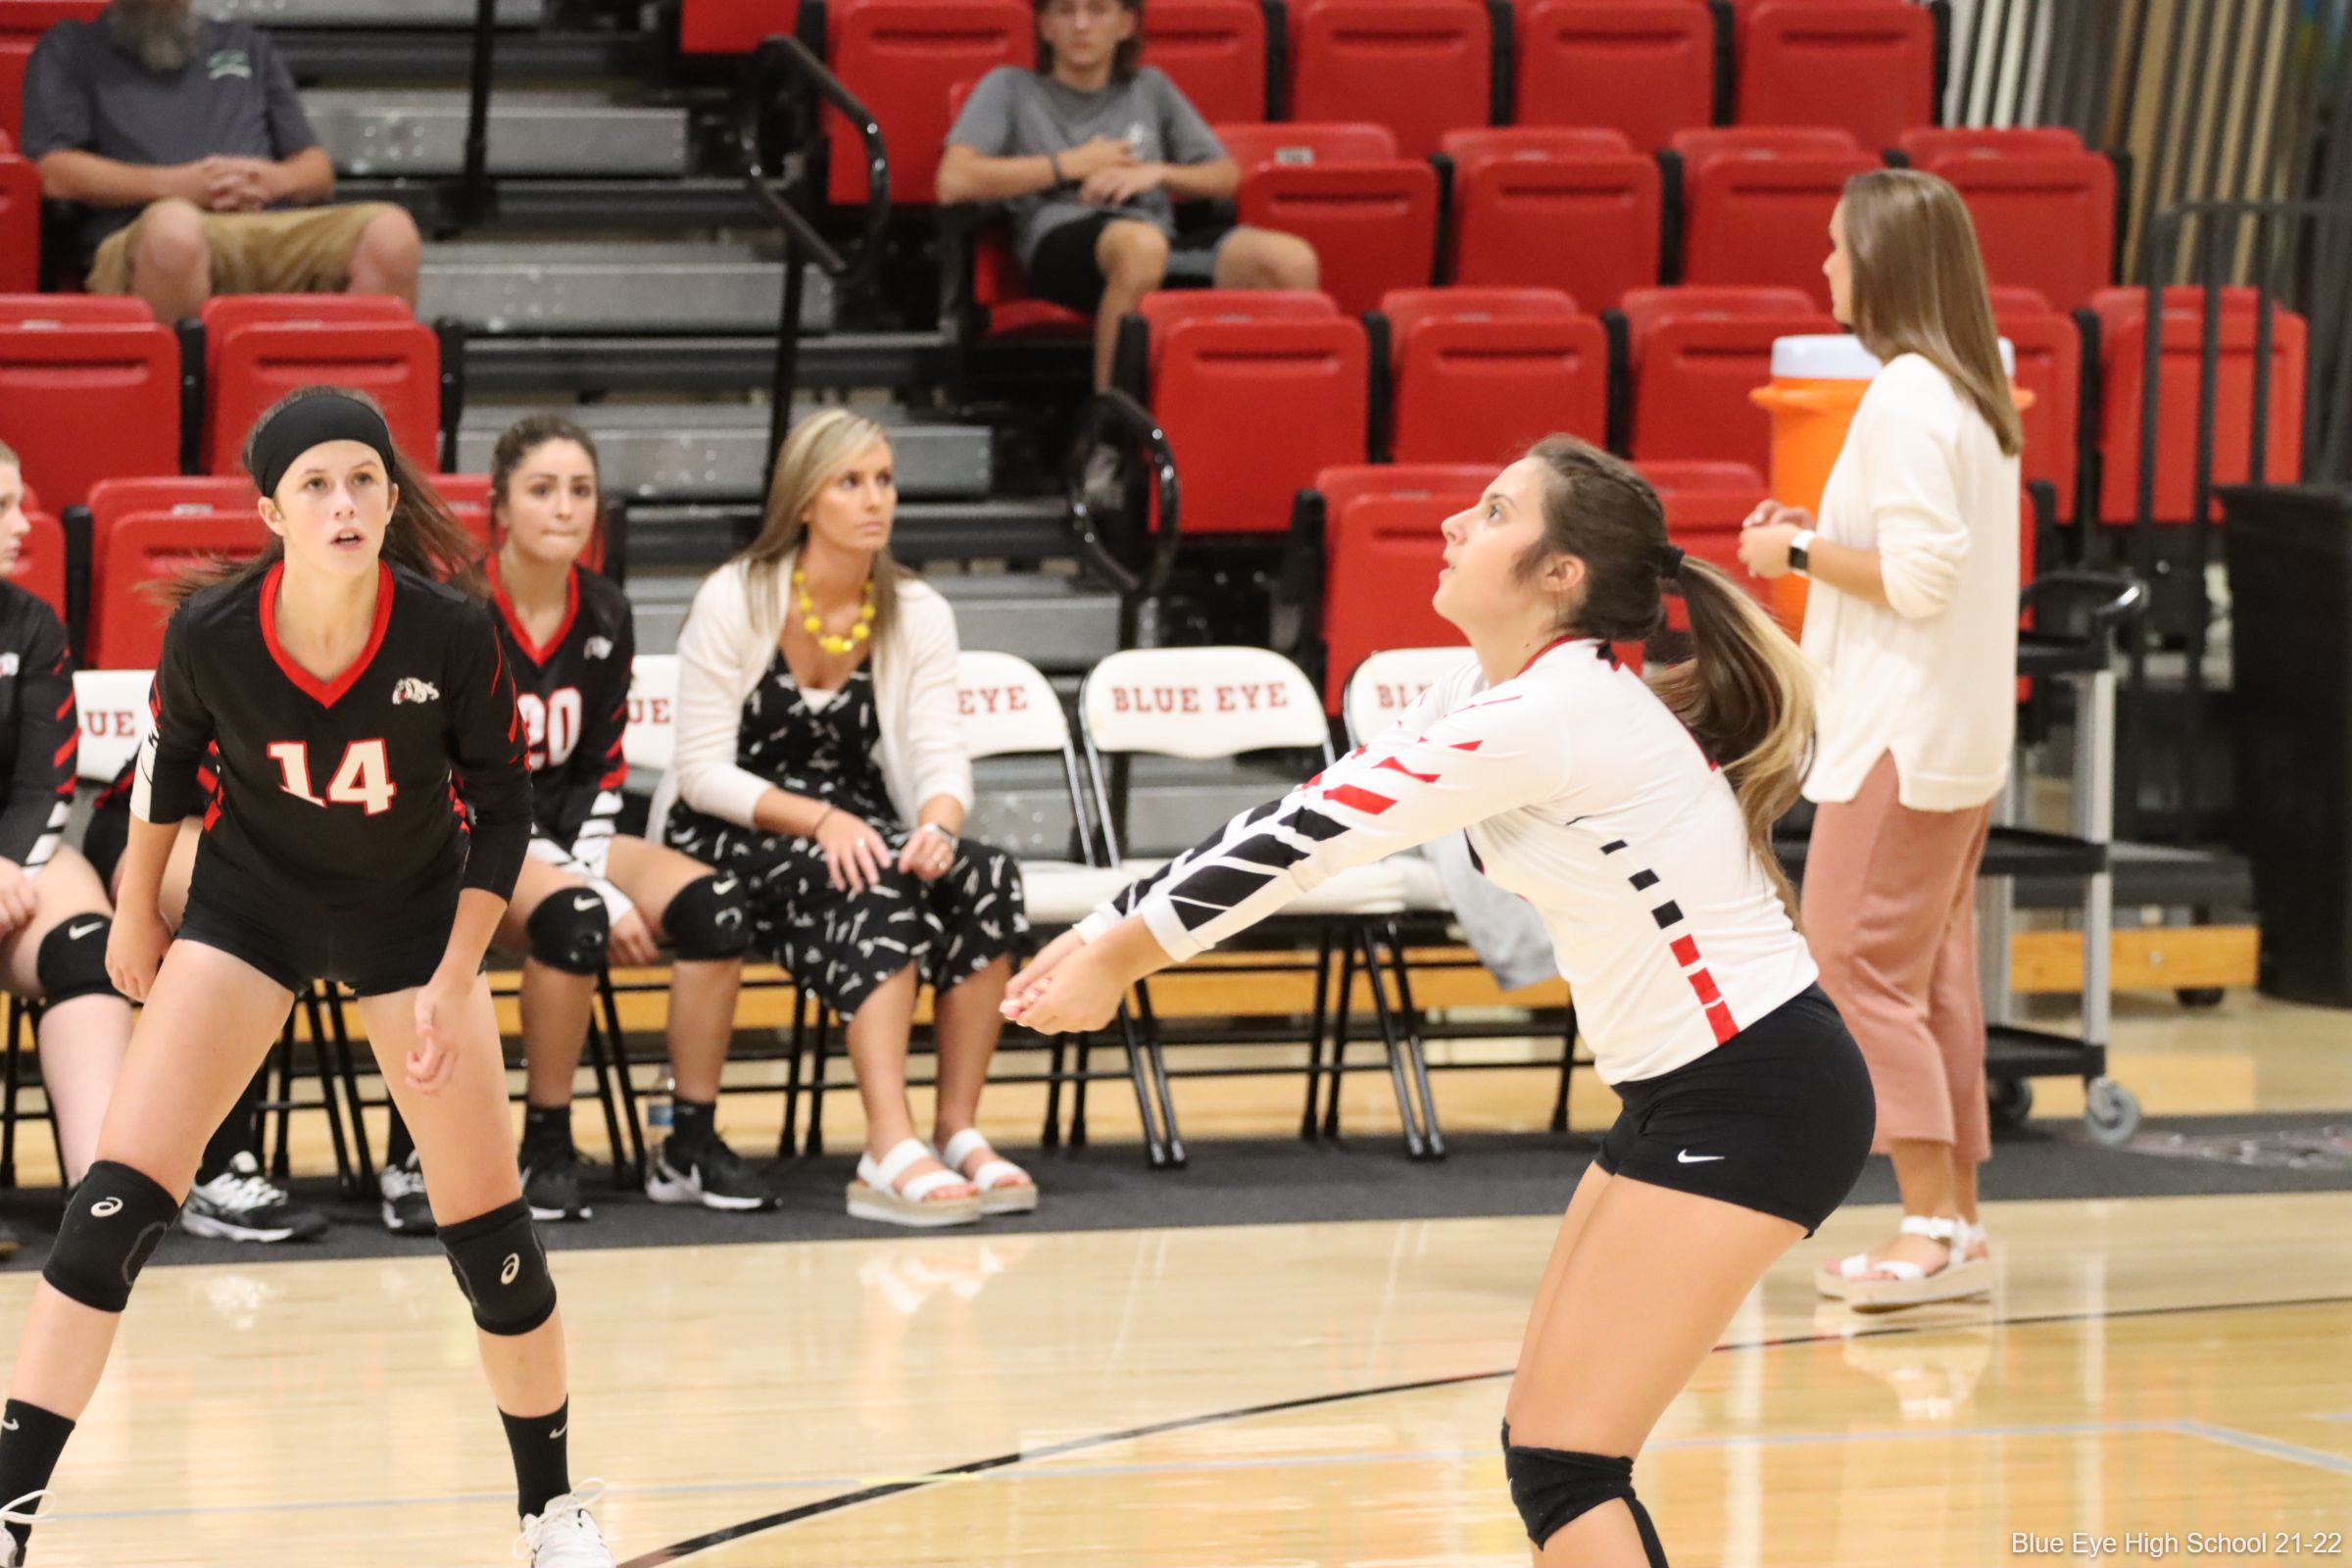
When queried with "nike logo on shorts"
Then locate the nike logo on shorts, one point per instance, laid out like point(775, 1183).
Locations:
point(724, 885)
point(581, 904)
point(75, 933)
point(1686, 1157)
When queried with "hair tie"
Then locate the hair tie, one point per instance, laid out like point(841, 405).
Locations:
point(312, 420)
point(1673, 567)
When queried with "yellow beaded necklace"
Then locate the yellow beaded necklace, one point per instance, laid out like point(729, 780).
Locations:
point(814, 623)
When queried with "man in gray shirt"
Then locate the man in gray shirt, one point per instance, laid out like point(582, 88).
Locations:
point(186, 142)
point(1090, 154)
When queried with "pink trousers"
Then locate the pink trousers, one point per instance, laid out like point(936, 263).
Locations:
point(1890, 909)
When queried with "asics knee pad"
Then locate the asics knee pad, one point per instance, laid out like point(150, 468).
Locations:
point(711, 918)
point(569, 931)
point(1553, 1488)
point(112, 1227)
point(503, 1269)
point(72, 960)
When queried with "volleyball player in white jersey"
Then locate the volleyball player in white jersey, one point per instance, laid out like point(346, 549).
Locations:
point(1634, 815)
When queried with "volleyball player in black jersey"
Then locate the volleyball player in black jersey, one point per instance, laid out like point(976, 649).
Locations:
point(370, 814)
point(588, 893)
point(54, 913)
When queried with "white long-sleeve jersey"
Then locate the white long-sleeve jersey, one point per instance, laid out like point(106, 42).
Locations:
point(1580, 792)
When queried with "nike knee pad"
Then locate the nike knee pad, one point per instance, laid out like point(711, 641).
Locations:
point(71, 960)
point(112, 1227)
point(503, 1269)
point(569, 930)
point(1552, 1488)
point(711, 918)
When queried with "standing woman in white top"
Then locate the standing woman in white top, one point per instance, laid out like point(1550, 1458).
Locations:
point(820, 757)
point(1913, 621)
point(1636, 816)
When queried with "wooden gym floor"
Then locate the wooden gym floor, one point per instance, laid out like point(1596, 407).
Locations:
point(1273, 1395)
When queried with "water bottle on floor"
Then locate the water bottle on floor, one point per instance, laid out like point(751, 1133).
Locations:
point(658, 1115)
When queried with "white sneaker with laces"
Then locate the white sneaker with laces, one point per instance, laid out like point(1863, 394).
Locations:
point(19, 1512)
point(561, 1536)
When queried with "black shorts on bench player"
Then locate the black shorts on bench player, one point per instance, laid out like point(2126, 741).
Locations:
point(589, 895)
point(371, 811)
point(1636, 816)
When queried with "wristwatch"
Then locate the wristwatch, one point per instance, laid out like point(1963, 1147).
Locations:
point(1800, 553)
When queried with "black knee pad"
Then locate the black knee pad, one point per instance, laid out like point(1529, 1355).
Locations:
point(569, 931)
point(503, 1269)
point(112, 1227)
point(709, 918)
point(1553, 1488)
point(71, 960)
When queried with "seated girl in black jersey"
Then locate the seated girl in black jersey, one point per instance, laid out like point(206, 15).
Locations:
point(371, 812)
point(587, 892)
point(1636, 817)
point(54, 911)
point(820, 757)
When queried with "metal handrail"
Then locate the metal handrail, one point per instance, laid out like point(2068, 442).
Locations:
point(1115, 416)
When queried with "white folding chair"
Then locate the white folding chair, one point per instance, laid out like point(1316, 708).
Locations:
point(1214, 702)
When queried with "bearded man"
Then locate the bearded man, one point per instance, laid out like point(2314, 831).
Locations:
point(185, 143)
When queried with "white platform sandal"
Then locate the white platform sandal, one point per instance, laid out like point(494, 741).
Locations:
point(1887, 1286)
point(878, 1195)
point(996, 1196)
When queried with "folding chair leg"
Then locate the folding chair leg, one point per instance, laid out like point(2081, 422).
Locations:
point(8, 1094)
point(1415, 1050)
point(1086, 1074)
point(788, 1142)
point(599, 1063)
point(1560, 1103)
point(1339, 1017)
point(281, 1168)
point(817, 1081)
point(330, 1101)
point(631, 1123)
point(348, 1063)
point(1155, 1148)
point(1056, 1059)
point(1314, 1041)
point(1415, 1146)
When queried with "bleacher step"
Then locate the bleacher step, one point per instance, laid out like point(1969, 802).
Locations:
point(697, 451)
point(370, 13)
point(506, 286)
point(543, 131)
point(673, 365)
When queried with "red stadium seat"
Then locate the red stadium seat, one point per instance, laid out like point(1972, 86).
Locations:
point(1371, 216)
point(1381, 554)
point(1482, 373)
point(1695, 354)
point(127, 622)
point(85, 403)
point(1642, 67)
point(1554, 207)
point(256, 362)
point(2122, 350)
point(1214, 51)
point(1002, 294)
point(1756, 204)
point(902, 58)
point(1705, 504)
point(2045, 220)
point(2049, 366)
point(1864, 66)
point(1418, 67)
point(22, 23)
point(1256, 390)
point(74, 309)
point(19, 225)
point(732, 26)
point(1923, 145)
point(40, 569)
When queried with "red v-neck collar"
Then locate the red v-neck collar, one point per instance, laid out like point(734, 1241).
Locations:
point(1556, 642)
point(325, 693)
point(537, 653)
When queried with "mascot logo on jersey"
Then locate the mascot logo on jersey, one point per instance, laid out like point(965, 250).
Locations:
point(598, 647)
point(412, 690)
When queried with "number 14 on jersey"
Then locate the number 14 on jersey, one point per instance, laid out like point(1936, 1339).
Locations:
point(363, 777)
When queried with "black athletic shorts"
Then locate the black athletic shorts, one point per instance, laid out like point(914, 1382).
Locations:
point(1064, 269)
point(1778, 1119)
point(393, 943)
point(104, 840)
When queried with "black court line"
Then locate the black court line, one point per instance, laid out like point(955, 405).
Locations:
point(1103, 1439)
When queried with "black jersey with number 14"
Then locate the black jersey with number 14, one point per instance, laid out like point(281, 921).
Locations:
point(349, 790)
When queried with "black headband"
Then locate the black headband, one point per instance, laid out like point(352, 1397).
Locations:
point(1672, 567)
point(310, 421)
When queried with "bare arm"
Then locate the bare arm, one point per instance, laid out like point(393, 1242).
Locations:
point(966, 175)
point(1202, 182)
point(73, 176)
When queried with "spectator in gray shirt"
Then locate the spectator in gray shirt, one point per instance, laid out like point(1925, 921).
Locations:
point(1091, 153)
point(186, 143)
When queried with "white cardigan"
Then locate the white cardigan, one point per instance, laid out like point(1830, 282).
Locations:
point(722, 654)
point(1931, 674)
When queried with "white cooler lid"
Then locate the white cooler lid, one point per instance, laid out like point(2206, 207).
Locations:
point(1840, 357)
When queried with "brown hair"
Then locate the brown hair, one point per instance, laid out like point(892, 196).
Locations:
point(528, 435)
point(421, 535)
point(1746, 692)
point(817, 449)
point(8, 455)
point(1125, 60)
point(1919, 287)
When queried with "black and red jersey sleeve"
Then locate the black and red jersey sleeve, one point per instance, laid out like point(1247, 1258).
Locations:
point(490, 756)
point(589, 806)
point(48, 740)
point(168, 789)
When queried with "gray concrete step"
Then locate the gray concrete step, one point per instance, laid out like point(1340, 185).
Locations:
point(615, 285)
point(699, 451)
point(535, 131)
point(370, 13)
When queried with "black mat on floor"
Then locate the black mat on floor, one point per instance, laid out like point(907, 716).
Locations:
point(1255, 1183)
